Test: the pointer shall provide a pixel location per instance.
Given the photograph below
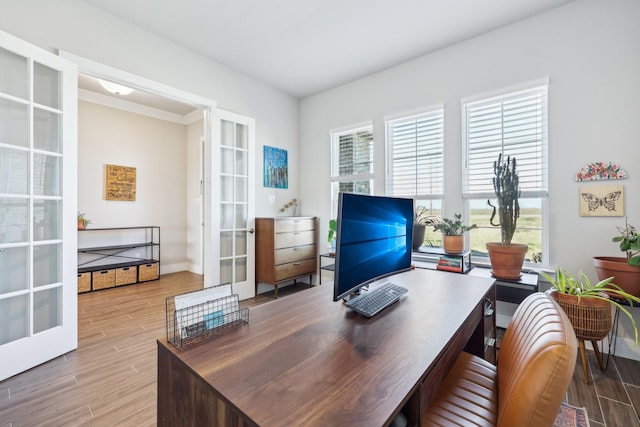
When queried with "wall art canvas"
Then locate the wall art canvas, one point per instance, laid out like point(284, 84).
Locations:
point(120, 183)
point(276, 167)
point(598, 171)
point(602, 200)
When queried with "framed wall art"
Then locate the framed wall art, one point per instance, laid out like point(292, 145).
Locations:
point(276, 168)
point(120, 183)
point(602, 200)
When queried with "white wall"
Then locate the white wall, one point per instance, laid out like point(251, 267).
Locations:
point(194, 196)
point(78, 28)
point(157, 149)
point(589, 51)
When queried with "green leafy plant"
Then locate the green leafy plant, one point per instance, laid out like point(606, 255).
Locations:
point(453, 227)
point(566, 282)
point(85, 221)
point(333, 229)
point(629, 243)
point(506, 185)
point(422, 216)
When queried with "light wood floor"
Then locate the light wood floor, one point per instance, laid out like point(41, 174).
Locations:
point(111, 378)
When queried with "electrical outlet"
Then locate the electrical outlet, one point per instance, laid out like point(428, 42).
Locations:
point(272, 199)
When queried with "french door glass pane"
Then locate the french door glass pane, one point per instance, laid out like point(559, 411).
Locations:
point(47, 309)
point(226, 217)
point(226, 161)
point(13, 265)
point(47, 214)
point(14, 171)
point(242, 163)
point(14, 123)
point(226, 271)
point(226, 189)
point(241, 269)
point(226, 244)
point(14, 318)
point(47, 175)
point(241, 243)
point(47, 87)
point(47, 130)
point(14, 74)
point(242, 136)
point(241, 216)
point(226, 133)
point(14, 214)
point(241, 189)
point(47, 264)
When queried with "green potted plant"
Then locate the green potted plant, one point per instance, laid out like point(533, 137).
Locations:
point(506, 257)
point(453, 230)
point(588, 307)
point(331, 238)
point(83, 221)
point(625, 270)
point(421, 219)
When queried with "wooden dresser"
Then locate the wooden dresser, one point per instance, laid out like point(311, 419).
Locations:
point(286, 249)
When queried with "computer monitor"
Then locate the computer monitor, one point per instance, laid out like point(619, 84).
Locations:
point(373, 240)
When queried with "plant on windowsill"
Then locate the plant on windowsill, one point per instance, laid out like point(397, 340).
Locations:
point(625, 270)
point(453, 230)
point(82, 221)
point(421, 219)
point(506, 257)
point(588, 307)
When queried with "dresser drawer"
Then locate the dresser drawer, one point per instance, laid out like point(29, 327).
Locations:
point(294, 269)
point(296, 238)
point(297, 253)
point(302, 224)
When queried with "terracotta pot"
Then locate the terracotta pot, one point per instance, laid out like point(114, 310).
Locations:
point(453, 244)
point(418, 236)
point(80, 224)
point(590, 318)
point(507, 260)
point(626, 276)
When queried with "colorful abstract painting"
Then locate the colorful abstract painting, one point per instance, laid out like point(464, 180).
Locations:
point(600, 171)
point(276, 167)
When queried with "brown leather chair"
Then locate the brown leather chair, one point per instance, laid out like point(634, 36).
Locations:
point(535, 364)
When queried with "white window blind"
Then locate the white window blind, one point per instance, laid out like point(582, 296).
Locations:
point(415, 155)
point(352, 165)
point(514, 125)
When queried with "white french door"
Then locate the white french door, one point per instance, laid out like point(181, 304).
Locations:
point(235, 205)
point(38, 202)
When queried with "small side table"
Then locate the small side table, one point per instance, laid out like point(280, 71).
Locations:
point(329, 267)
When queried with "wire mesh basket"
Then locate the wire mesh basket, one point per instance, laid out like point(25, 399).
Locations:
point(189, 324)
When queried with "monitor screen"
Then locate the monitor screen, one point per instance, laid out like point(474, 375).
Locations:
point(374, 240)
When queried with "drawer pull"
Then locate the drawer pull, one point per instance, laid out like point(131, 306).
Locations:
point(104, 272)
point(488, 312)
point(490, 342)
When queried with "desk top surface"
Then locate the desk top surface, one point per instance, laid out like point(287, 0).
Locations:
point(306, 360)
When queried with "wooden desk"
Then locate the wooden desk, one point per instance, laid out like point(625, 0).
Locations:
point(306, 360)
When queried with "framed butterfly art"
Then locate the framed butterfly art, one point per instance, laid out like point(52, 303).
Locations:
point(604, 200)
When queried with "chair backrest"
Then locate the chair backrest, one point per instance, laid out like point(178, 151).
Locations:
point(535, 363)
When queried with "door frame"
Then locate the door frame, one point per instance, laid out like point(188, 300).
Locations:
point(211, 143)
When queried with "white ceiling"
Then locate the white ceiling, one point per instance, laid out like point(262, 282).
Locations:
point(307, 46)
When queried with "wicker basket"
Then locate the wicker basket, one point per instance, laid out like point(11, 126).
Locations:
point(148, 272)
point(126, 275)
point(103, 279)
point(591, 318)
point(84, 282)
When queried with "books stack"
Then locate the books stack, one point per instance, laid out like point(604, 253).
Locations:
point(447, 263)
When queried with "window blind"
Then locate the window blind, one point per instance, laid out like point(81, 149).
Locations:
point(514, 125)
point(416, 155)
point(352, 160)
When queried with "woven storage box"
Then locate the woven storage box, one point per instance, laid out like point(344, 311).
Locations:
point(103, 279)
point(591, 319)
point(84, 282)
point(126, 275)
point(148, 272)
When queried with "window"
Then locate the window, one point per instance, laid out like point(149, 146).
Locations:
point(351, 162)
point(515, 125)
point(415, 163)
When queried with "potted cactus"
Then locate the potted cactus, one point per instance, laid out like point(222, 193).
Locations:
point(506, 257)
